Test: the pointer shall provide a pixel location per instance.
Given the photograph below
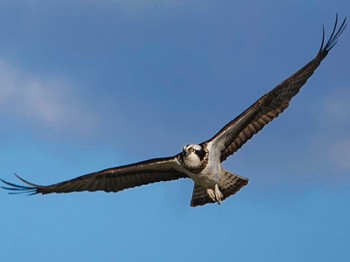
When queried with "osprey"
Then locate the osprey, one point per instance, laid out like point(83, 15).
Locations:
point(200, 162)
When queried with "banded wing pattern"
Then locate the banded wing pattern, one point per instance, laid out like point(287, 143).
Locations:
point(236, 133)
point(109, 180)
point(201, 166)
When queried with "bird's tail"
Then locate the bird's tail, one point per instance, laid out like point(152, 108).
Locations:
point(229, 185)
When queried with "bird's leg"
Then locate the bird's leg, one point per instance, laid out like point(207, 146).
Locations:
point(218, 194)
point(215, 194)
point(211, 193)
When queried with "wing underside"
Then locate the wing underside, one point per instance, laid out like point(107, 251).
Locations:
point(229, 139)
point(108, 180)
point(236, 133)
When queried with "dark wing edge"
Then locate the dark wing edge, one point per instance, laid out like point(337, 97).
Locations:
point(236, 133)
point(109, 180)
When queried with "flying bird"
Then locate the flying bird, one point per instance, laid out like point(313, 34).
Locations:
point(200, 162)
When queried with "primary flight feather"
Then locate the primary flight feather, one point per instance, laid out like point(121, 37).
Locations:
point(200, 162)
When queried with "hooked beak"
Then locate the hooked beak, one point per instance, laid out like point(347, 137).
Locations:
point(184, 151)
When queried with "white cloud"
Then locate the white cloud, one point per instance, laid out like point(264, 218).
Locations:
point(47, 101)
point(337, 124)
point(337, 108)
point(331, 145)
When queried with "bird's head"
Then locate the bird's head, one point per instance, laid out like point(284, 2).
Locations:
point(194, 157)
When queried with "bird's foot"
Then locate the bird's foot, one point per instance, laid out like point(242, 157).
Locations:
point(215, 194)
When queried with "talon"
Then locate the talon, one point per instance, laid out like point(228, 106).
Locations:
point(218, 194)
point(211, 194)
point(215, 194)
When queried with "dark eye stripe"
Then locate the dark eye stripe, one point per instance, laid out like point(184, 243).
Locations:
point(201, 153)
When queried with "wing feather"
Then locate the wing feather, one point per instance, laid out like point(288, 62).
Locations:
point(236, 133)
point(109, 180)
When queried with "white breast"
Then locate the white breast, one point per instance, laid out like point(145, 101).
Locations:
point(211, 174)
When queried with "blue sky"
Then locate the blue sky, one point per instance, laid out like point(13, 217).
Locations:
point(86, 85)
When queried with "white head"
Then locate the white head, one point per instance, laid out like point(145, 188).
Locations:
point(194, 156)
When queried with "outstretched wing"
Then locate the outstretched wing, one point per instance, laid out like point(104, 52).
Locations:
point(109, 180)
point(236, 133)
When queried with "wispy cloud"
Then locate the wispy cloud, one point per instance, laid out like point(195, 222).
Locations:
point(50, 101)
point(336, 113)
point(333, 138)
point(339, 152)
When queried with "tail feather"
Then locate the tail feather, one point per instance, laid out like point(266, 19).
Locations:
point(200, 196)
point(229, 185)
